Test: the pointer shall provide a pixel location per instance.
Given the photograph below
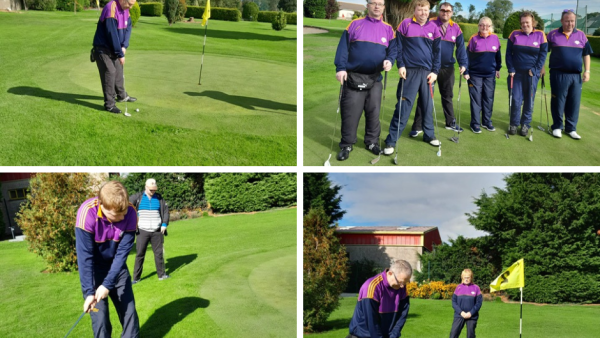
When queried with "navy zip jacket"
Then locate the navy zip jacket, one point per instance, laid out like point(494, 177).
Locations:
point(526, 52)
point(419, 46)
point(467, 298)
point(113, 29)
point(484, 55)
point(453, 38)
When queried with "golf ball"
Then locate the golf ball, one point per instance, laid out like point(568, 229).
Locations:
point(137, 110)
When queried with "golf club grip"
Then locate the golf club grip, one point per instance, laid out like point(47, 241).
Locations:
point(511, 81)
point(431, 90)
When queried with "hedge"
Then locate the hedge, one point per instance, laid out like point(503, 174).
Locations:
point(151, 9)
point(269, 16)
point(595, 44)
point(246, 192)
point(291, 18)
point(225, 14)
point(433, 290)
point(468, 29)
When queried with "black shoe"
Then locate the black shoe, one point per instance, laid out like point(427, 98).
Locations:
point(136, 281)
point(344, 153)
point(128, 99)
point(374, 148)
point(114, 110)
point(524, 130)
point(512, 130)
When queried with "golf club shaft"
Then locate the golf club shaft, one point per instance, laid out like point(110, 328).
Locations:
point(381, 110)
point(77, 322)
point(336, 114)
point(399, 115)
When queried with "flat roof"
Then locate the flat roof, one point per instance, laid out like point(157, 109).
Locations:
point(385, 229)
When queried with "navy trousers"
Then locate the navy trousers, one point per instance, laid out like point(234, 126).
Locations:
point(459, 323)
point(445, 84)
point(566, 97)
point(354, 102)
point(416, 82)
point(522, 95)
point(122, 298)
point(481, 92)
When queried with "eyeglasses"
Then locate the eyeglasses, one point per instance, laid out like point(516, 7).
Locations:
point(445, 11)
point(569, 10)
point(377, 4)
point(485, 26)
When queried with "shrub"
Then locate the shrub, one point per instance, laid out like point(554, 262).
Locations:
point(315, 9)
point(42, 5)
point(360, 271)
point(181, 10)
point(267, 16)
point(181, 191)
point(48, 216)
point(250, 11)
point(279, 22)
point(432, 290)
point(468, 29)
point(287, 5)
point(436, 296)
point(67, 5)
point(250, 191)
point(513, 22)
point(224, 14)
point(354, 17)
point(151, 9)
point(597, 32)
point(595, 44)
point(135, 13)
point(291, 18)
point(174, 10)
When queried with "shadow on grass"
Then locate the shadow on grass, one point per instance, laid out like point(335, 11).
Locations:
point(250, 103)
point(174, 264)
point(77, 99)
point(232, 35)
point(163, 319)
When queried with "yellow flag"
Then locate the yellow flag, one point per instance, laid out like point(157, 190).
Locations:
point(98, 3)
point(513, 277)
point(206, 14)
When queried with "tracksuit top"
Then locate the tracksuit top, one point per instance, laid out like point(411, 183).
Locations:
point(467, 298)
point(419, 46)
point(102, 245)
point(364, 45)
point(453, 38)
point(113, 29)
point(526, 52)
point(484, 56)
point(381, 310)
point(568, 50)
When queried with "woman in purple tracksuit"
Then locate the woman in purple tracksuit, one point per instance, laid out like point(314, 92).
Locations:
point(466, 301)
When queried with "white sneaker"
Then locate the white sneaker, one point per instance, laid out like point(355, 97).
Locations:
point(574, 135)
point(435, 142)
point(388, 150)
point(557, 133)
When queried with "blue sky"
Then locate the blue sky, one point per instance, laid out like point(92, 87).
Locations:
point(411, 199)
point(542, 7)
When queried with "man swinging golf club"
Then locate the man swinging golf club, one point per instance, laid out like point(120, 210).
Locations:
point(104, 236)
point(366, 48)
point(110, 45)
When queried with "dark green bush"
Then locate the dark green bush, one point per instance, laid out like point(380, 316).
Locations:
point(42, 5)
point(224, 14)
point(151, 9)
point(174, 10)
point(513, 22)
point(267, 16)
point(180, 190)
point(250, 11)
point(595, 44)
point(436, 295)
point(104, 2)
point(597, 32)
point(67, 5)
point(315, 9)
point(135, 13)
point(279, 22)
point(360, 271)
point(250, 191)
point(468, 29)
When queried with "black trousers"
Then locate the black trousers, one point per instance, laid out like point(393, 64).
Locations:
point(354, 102)
point(111, 76)
point(445, 83)
point(459, 323)
point(156, 239)
point(122, 298)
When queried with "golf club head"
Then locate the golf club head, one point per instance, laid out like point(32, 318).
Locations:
point(439, 152)
point(506, 135)
point(127, 114)
point(541, 128)
point(396, 159)
point(531, 137)
point(454, 139)
point(375, 160)
point(327, 164)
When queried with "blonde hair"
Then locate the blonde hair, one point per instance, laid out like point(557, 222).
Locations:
point(422, 3)
point(485, 18)
point(467, 272)
point(113, 196)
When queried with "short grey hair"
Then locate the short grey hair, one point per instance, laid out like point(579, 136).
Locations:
point(400, 266)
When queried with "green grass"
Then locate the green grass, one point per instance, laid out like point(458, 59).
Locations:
point(51, 104)
point(487, 149)
point(236, 269)
point(433, 318)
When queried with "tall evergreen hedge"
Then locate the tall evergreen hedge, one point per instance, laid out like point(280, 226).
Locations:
point(224, 14)
point(468, 30)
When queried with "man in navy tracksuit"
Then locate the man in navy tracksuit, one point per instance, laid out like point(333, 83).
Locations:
point(569, 46)
point(452, 37)
point(418, 60)
point(466, 302)
point(104, 235)
point(110, 45)
point(366, 48)
point(526, 51)
point(383, 304)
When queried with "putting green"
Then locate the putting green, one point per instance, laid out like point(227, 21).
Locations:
point(260, 286)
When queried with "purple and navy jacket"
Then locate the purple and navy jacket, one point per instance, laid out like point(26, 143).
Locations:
point(467, 298)
point(113, 29)
point(567, 50)
point(484, 56)
point(453, 38)
point(102, 245)
point(381, 310)
point(526, 52)
point(364, 45)
point(419, 46)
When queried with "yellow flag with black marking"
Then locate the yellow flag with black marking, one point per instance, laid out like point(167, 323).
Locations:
point(511, 278)
point(206, 14)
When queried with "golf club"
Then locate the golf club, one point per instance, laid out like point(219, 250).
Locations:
point(532, 104)
point(126, 98)
point(541, 107)
point(375, 160)
point(399, 114)
point(546, 104)
point(327, 164)
point(509, 104)
point(77, 322)
point(439, 152)
point(454, 138)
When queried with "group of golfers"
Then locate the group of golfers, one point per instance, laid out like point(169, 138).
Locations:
point(105, 232)
point(424, 51)
point(383, 304)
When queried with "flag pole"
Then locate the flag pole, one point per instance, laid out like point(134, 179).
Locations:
point(203, 46)
point(521, 319)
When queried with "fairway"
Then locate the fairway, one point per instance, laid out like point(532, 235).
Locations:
point(235, 269)
point(486, 149)
point(51, 104)
point(433, 319)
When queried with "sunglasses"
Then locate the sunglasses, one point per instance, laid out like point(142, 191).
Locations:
point(445, 11)
point(569, 10)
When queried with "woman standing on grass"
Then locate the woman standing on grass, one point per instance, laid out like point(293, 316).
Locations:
point(466, 301)
point(526, 52)
point(485, 61)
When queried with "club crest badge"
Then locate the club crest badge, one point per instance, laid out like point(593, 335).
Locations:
point(384, 40)
point(494, 47)
point(430, 35)
point(535, 43)
point(577, 42)
point(453, 38)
